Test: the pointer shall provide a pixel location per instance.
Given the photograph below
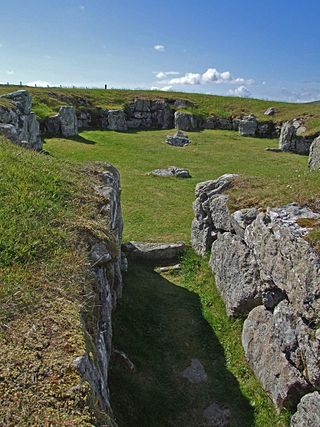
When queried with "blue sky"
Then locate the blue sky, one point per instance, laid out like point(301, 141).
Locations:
point(264, 49)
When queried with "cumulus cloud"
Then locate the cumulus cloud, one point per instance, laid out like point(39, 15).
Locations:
point(164, 74)
point(241, 91)
point(303, 95)
point(39, 83)
point(164, 88)
point(212, 75)
point(159, 47)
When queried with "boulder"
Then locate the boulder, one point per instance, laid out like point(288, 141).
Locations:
point(117, 120)
point(158, 253)
point(225, 124)
point(248, 126)
point(210, 213)
point(236, 274)
point(284, 382)
point(84, 119)
point(146, 114)
point(210, 123)
point(217, 416)
point(266, 130)
point(241, 219)
point(185, 121)
point(68, 121)
point(53, 126)
point(271, 111)
point(171, 171)
point(179, 139)
point(22, 99)
point(195, 373)
point(308, 411)
point(285, 258)
point(314, 156)
point(291, 138)
point(18, 123)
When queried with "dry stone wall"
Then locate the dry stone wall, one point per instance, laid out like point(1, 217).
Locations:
point(18, 123)
point(267, 272)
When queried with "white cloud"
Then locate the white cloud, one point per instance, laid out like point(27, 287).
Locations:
point(10, 72)
point(164, 88)
point(1, 45)
point(303, 95)
point(82, 8)
point(164, 74)
point(212, 75)
point(241, 91)
point(159, 47)
point(39, 83)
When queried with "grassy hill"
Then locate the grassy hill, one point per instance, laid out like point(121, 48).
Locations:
point(48, 100)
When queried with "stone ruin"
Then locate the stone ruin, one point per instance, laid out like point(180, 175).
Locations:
point(266, 271)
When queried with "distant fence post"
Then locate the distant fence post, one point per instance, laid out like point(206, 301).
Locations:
point(105, 87)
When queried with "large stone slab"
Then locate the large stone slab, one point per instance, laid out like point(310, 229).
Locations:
point(185, 121)
point(154, 252)
point(314, 155)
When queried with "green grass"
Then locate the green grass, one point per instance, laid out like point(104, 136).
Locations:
point(48, 100)
point(162, 323)
point(160, 209)
point(43, 277)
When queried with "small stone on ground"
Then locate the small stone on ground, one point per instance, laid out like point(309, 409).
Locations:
point(195, 373)
point(217, 416)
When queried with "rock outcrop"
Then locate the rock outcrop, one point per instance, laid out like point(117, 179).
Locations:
point(314, 155)
point(179, 139)
point(106, 265)
point(149, 114)
point(18, 123)
point(308, 413)
point(64, 124)
point(171, 171)
point(185, 121)
point(117, 120)
point(292, 139)
point(266, 270)
point(248, 126)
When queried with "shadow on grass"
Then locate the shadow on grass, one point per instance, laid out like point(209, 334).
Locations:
point(82, 140)
point(160, 326)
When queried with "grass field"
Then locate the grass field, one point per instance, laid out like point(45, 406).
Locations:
point(160, 209)
point(46, 101)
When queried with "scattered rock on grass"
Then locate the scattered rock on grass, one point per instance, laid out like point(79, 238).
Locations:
point(217, 416)
point(171, 171)
point(179, 139)
point(195, 373)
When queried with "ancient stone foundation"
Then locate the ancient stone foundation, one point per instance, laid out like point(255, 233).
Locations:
point(266, 271)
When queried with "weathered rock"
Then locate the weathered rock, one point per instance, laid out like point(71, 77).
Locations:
point(154, 252)
point(308, 411)
point(314, 156)
point(225, 124)
point(271, 111)
point(248, 126)
point(217, 416)
point(185, 121)
point(182, 103)
point(210, 123)
point(285, 258)
point(84, 119)
point(22, 99)
point(266, 130)
point(292, 140)
point(18, 123)
point(206, 207)
point(171, 171)
point(195, 373)
point(236, 274)
point(277, 375)
point(146, 114)
point(68, 121)
point(53, 126)
point(179, 139)
point(242, 218)
point(117, 120)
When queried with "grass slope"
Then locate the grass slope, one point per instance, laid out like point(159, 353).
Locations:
point(43, 278)
point(162, 323)
point(46, 101)
point(160, 209)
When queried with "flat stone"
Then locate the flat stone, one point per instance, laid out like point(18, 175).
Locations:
point(154, 252)
point(217, 416)
point(195, 373)
point(179, 139)
point(171, 171)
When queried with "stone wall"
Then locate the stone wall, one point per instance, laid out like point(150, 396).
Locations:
point(107, 264)
point(18, 123)
point(292, 138)
point(267, 272)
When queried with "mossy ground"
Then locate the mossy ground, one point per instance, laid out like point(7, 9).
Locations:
point(46, 101)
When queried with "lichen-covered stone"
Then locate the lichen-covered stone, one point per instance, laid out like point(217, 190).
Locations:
point(308, 411)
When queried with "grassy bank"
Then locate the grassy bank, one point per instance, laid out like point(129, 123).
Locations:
point(43, 278)
point(162, 323)
point(158, 208)
point(48, 100)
